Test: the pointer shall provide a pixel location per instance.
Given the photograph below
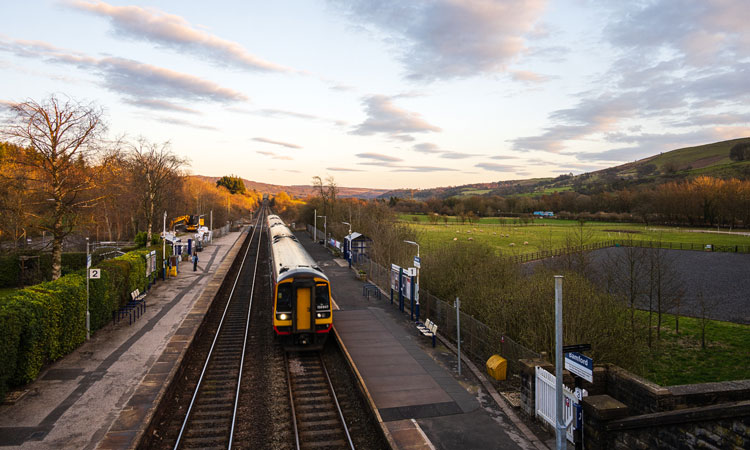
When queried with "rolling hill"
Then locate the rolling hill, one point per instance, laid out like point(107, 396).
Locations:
point(302, 191)
point(684, 163)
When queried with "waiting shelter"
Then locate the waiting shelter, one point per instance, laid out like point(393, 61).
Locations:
point(358, 244)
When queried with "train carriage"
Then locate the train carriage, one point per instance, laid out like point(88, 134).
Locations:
point(302, 294)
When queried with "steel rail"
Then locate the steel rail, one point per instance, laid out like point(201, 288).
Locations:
point(244, 340)
point(218, 330)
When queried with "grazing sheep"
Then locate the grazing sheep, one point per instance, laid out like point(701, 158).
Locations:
point(525, 242)
point(455, 239)
point(512, 244)
point(471, 238)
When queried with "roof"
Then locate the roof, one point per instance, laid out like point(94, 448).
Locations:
point(355, 236)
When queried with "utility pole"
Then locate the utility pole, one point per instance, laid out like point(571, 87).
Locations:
point(559, 421)
point(315, 225)
point(457, 304)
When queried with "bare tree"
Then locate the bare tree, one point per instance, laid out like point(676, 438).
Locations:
point(153, 167)
point(60, 138)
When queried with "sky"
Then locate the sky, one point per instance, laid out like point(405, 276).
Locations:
point(391, 93)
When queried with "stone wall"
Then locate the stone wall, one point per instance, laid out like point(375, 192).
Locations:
point(624, 411)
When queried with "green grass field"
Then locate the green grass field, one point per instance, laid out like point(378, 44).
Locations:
point(679, 358)
point(546, 234)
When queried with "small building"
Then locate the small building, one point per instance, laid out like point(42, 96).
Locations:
point(359, 245)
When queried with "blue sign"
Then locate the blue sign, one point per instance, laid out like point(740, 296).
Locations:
point(417, 261)
point(580, 365)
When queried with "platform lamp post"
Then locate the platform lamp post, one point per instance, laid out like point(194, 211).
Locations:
point(349, 253)
point(416, 290)
point(88, 274)
point(325, 231)
point(164, 249)
point(315, 226)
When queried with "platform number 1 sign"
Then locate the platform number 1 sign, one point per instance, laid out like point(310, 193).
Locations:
point(95, 274)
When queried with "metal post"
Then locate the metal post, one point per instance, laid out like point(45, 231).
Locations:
point(164, 249)
point(457, 304)
point(315, 226)
point(88, 315)
point(211, 224)
point(559, 421)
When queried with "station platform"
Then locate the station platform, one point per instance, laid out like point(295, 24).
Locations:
point(101, 393)
point(420, 400)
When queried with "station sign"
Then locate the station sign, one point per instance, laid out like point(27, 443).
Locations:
point(580, 365)
point(417, 262)
point(95, 274)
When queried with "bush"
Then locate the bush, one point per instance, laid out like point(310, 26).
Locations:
point(42, 323)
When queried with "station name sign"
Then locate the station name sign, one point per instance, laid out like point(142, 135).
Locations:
point(580, 365)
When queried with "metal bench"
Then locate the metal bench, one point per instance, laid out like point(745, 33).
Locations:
point(136, 306)
point(368, 288)
point(429, 329)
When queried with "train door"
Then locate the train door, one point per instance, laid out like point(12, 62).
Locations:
point(304, 304)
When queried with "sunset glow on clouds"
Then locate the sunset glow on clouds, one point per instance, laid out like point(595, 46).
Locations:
point(391, 93)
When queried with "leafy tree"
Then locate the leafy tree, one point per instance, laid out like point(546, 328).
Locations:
point(740, 151)
point(233, 183)
point(60, 138)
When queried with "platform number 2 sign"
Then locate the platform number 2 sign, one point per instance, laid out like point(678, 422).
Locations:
point(95, 274)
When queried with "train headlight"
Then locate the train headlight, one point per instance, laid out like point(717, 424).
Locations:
point(283, 317)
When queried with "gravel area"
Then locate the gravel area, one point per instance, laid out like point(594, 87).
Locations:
point(723, 279)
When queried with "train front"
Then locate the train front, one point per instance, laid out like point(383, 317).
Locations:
point(302, 293)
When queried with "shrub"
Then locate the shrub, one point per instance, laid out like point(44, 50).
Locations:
point(42, 323)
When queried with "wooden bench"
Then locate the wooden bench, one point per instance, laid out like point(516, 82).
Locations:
point(429, 329)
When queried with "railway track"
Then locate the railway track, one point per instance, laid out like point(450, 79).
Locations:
point(316, 414)
point(209, 421)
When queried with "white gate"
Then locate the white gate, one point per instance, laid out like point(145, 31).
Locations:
point(545, 401)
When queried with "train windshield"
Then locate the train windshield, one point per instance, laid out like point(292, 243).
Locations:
point(284, 298)
point(322, 301)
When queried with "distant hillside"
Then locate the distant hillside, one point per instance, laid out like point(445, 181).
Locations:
point(301, 191)
point(685, 163)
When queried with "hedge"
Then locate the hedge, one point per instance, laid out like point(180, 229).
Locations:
point(44, 322)
point(10, 267)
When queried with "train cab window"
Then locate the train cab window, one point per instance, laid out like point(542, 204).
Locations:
point(284, 297)
point(322, 301)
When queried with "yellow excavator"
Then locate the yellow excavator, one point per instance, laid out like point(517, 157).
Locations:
point(188, 222)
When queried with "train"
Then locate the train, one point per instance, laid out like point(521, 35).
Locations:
point(302, 313)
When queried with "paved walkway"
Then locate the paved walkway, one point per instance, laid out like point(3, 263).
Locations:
point(74, 401)
point(420, 398)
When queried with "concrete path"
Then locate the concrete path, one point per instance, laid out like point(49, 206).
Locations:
point(75, 400)
point(421, 400)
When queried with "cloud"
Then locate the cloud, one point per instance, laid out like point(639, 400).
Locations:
point(423, 169)
point(648, 144)
point(343, 169)
point(141, 83)
point(378, 157)
point(502, 157)
point(383, 117)
point(281, 113)
point(172, 31)
point(185, 123)
point(444, 39)
point(528, 76)
point(457, 155)
point(426, 147)
point(274, 155)
point(494, 167)
point(703, 32)
point(160, 105)
point(273, 142)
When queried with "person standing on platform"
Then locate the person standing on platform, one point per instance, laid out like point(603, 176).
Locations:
point(195, 262)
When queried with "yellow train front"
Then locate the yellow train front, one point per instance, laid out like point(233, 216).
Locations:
point(302, 316)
